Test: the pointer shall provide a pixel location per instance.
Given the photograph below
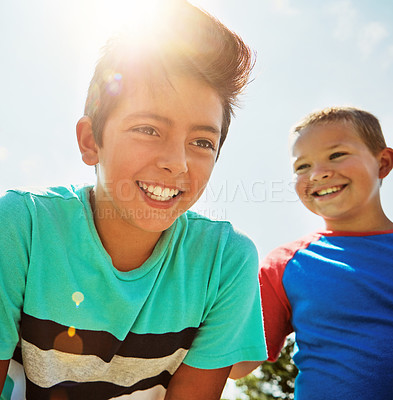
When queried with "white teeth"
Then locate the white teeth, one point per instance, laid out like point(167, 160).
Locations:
point(166, 192)
point(158, 192)
point(151, 188)
point(333, 189)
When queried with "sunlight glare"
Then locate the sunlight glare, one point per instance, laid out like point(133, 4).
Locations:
point(123, 15)
point(71, 331)
point(100, 20)
point(78, 297)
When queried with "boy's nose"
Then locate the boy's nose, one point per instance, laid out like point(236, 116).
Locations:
point(320, 172)
point(173, 158)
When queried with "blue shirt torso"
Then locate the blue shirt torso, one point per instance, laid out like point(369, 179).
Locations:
point(340, 289)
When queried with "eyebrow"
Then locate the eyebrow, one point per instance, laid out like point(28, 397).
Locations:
point(149, 115)
point(335, 145)
point(207, 128)
point(169, 122)
point(328, 149)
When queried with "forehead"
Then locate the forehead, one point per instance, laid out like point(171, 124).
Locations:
point(175, 97)
point(324, 135)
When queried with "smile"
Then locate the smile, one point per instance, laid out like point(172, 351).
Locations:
point(324, 192)
point(157, 192)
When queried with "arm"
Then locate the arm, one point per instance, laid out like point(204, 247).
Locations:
point(3, 372)
point(277, 311)
point(240, 370)
point(190, 383)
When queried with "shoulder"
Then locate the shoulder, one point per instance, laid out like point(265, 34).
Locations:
point(63, 192)
point(280, 256)
point(215, 244)
point(222, 233)
point(199, 221)
point(35, 195)
point(26, 202)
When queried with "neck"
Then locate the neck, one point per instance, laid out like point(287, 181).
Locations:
point(380, 224)
point(128, 246)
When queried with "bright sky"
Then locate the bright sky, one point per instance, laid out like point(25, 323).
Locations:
point(310, 54)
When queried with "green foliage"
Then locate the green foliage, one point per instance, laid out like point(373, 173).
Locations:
point(271, 380)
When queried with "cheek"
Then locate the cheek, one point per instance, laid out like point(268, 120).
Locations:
point(302, 190)
point(113, 168)
point(207, 169)
point(300, 186)
point(200, 173)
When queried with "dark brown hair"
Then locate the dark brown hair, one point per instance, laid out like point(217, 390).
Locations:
point(188, 41)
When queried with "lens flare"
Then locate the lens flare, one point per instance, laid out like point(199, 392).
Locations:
point(78, 297)
point(68, 341)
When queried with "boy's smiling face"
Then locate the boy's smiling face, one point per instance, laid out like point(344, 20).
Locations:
point(159, 149)
point(337, 176)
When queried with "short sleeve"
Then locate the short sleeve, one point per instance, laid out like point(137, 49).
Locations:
point(15, 234)
point(275, 304)
point(233, 329)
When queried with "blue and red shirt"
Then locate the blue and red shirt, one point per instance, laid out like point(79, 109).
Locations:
point(335, 291)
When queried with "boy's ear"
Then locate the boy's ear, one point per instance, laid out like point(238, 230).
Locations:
point(385, 162)
point(86, 142)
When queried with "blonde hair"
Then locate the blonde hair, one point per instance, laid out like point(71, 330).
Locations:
point(365, 124)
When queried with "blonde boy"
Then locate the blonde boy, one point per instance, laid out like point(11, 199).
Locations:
point(334, 288)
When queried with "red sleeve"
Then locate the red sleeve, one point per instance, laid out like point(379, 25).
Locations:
point(276, 308)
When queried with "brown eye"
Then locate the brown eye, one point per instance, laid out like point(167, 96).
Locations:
point(337, 155)
point(147, 130)
point(203, 143)
point(301, 167)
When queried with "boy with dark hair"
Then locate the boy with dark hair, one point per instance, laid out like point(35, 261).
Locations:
point(117, 290)
point(334, 288)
